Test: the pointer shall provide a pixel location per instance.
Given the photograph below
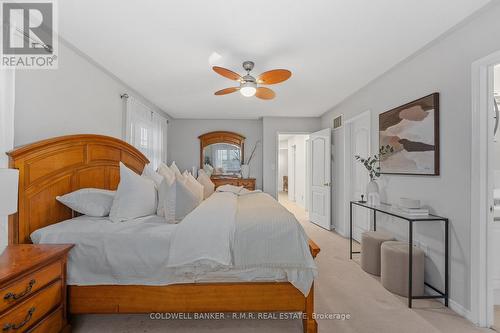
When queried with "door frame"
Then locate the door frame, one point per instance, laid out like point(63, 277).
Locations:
point(481, 295)
point(276, 157)
point(294, 176)
point(347, 162)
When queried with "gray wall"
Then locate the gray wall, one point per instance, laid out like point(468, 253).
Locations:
point(270, 129)
point(184, 145)
point(78, 97)
point(445, 67)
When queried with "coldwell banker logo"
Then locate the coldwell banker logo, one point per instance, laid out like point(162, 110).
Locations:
point(29, 39)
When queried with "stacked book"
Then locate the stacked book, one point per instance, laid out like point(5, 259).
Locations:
point(412, 211)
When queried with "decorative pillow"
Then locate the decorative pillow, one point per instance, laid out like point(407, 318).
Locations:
point(194, 185)
point(165, 171)
point(167, 198)
point(135, 196)
point(178, 199)
point(89, 201)
point(166, 193)
point(208, 185)
point(175, 169)
point(149, 173)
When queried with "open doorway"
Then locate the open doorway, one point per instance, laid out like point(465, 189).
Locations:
point(293, 180)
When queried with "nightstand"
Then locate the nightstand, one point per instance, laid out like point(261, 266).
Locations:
point(33, 289)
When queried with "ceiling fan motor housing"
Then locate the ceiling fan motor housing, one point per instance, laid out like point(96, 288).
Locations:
point(248, 81)
point(248, 65)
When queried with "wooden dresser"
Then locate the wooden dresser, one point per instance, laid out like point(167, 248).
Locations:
point(248, 183)
point(33, 289)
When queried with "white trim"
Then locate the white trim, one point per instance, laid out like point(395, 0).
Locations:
point(348, 164)
point(481, 311)
point(460, 310)
point(341, 227)
point(453, 305)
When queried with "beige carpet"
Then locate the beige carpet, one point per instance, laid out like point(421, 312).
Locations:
point(341, 287)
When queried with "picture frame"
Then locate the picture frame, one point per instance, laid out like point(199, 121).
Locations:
point(412, 130)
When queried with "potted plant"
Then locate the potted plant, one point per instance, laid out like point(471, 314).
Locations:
point(371, 163)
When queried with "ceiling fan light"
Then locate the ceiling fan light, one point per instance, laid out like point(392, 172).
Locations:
point(248, 91)
point(248, 88)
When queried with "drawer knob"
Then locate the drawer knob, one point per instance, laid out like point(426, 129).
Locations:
point(13, 296)
point(15, 327)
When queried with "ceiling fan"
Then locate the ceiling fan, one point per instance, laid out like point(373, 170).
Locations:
point(248, 84)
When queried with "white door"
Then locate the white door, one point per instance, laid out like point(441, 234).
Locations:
point(292, 152)
point(359, 145)
point(320, 206)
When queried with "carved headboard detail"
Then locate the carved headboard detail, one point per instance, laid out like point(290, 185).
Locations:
point(61, 165)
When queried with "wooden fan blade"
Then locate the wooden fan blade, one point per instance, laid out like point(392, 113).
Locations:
point(226, 91)
point(227, 73)
point(264, 93)
point(274, 76)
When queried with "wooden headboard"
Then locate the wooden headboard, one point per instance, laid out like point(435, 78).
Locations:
point(61, 165)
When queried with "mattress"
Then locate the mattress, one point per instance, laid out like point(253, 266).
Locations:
point(134, 252)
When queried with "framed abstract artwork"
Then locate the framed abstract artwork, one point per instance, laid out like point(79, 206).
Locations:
point(413, 131)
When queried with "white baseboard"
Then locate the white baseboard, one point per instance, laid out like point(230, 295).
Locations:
point(455, 306)
point(459, 309)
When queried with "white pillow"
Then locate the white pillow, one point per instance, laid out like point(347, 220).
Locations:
point(167, 198)
point(149, 173)
point(135, 196)
point(166, 194)
point(194, 185)
point(89, 201)
point(175, 169)
point(208, 185)
point(165, 171)
point(177, 199)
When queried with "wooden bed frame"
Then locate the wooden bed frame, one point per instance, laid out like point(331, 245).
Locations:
point(60, 165)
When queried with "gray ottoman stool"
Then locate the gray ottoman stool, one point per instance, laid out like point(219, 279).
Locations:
point(370, 250)
point(394, 268)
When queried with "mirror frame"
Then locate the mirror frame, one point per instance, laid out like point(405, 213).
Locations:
point(221, 137)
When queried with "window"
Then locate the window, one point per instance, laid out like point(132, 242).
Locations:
point(146, 130)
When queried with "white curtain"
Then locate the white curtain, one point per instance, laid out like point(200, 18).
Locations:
point(7, 98)
point(146, 130)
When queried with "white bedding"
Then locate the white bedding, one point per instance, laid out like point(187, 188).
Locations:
point(249, 231)
point(132, 252)
point(220, 241)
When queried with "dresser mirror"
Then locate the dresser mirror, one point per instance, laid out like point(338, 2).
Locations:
point(223, 151)
point(223, 157)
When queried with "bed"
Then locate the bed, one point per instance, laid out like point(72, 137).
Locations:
point(60, 165)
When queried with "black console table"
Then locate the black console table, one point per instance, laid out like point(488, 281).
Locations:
point(387, 209)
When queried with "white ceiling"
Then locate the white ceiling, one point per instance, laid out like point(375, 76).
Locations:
point(333, 47)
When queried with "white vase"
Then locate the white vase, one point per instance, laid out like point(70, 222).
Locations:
point(372, 193)
point(245, 171)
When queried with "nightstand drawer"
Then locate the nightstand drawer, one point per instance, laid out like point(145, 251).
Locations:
point(53, 323)
point(31, 310)
point(23, 288)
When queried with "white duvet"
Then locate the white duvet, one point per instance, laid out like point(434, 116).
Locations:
point(225, 239)
point(243, 232)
